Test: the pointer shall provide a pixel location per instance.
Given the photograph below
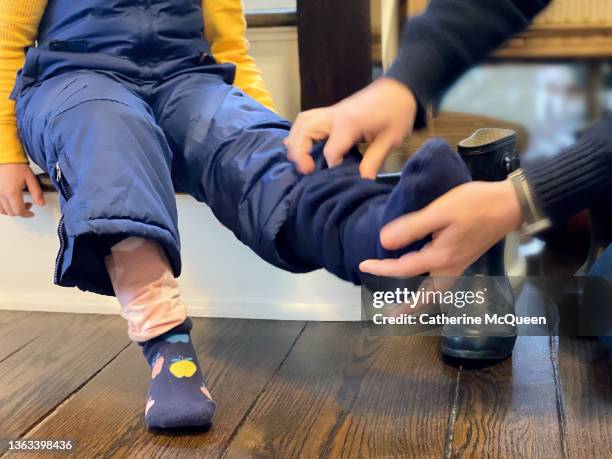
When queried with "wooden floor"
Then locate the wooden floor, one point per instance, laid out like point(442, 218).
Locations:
point(294, 389)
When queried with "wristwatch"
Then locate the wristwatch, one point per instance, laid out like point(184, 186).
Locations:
point(534, 220)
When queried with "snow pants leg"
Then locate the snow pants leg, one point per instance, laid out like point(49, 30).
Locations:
point(110, 161)
point(229, 153)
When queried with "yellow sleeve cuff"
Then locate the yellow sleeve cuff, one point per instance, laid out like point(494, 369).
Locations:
point(226, 32)
point(11, 149)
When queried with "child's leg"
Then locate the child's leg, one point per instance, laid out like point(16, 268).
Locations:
point(146, 288)
point(229, 153)
point(150, 300)
point(336, 223)
point(111, 162)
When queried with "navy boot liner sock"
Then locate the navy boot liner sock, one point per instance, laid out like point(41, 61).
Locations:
point(337, 216)
point(178, 397)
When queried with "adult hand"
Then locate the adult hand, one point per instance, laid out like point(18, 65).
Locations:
point(382, 114)
point(14, 178)
point(464, 224)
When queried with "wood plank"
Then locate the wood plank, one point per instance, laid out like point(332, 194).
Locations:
point(18, 328)
point(343, 393)
point(335, 47)
point(584, 373)
point(509, 409)
point(105, 418)
point(558, 33)
point(283, 17)
point(41, 375)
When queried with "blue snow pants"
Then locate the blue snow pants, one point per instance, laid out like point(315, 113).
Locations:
point(118, 149)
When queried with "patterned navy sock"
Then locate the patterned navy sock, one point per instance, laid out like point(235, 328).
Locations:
point(178, 396)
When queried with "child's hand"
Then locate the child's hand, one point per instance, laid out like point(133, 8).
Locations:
point(14, 178)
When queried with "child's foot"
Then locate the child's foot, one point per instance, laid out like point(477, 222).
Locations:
point(336, 216)
point(431, 172)
point(434, 170)
point(178, 396)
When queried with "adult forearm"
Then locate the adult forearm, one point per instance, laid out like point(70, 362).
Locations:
point(454, 35)
point(576, 178)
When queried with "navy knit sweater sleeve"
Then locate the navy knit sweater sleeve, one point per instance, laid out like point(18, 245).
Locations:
point(452, 36)
point(576, 178)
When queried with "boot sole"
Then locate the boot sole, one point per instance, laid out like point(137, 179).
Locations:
point(497, 348)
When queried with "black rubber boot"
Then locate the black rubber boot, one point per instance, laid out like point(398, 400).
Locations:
point(490, 154)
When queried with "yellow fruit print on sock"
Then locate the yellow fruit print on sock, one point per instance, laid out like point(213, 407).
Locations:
point(183, 368)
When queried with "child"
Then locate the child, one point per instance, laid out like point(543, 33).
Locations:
point(122, 103)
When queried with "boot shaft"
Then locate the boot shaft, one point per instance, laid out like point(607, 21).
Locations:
point(490, 154)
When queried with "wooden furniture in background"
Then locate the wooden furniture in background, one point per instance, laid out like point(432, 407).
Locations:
point(335, 44)
point(272, 18)
point(452, 127)
point(568, 30)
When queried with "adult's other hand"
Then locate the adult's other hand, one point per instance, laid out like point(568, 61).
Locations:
point(382, 114)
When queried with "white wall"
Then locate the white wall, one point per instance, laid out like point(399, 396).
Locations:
point(221, 278)
point(276, 52)
point(262, 5)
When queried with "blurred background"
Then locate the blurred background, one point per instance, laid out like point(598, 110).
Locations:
point(549, 100)
point(552, 80)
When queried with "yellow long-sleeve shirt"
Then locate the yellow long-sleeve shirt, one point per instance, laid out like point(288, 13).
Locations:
point(225, 27)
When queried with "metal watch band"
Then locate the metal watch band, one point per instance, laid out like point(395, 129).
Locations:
point(534, 220)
